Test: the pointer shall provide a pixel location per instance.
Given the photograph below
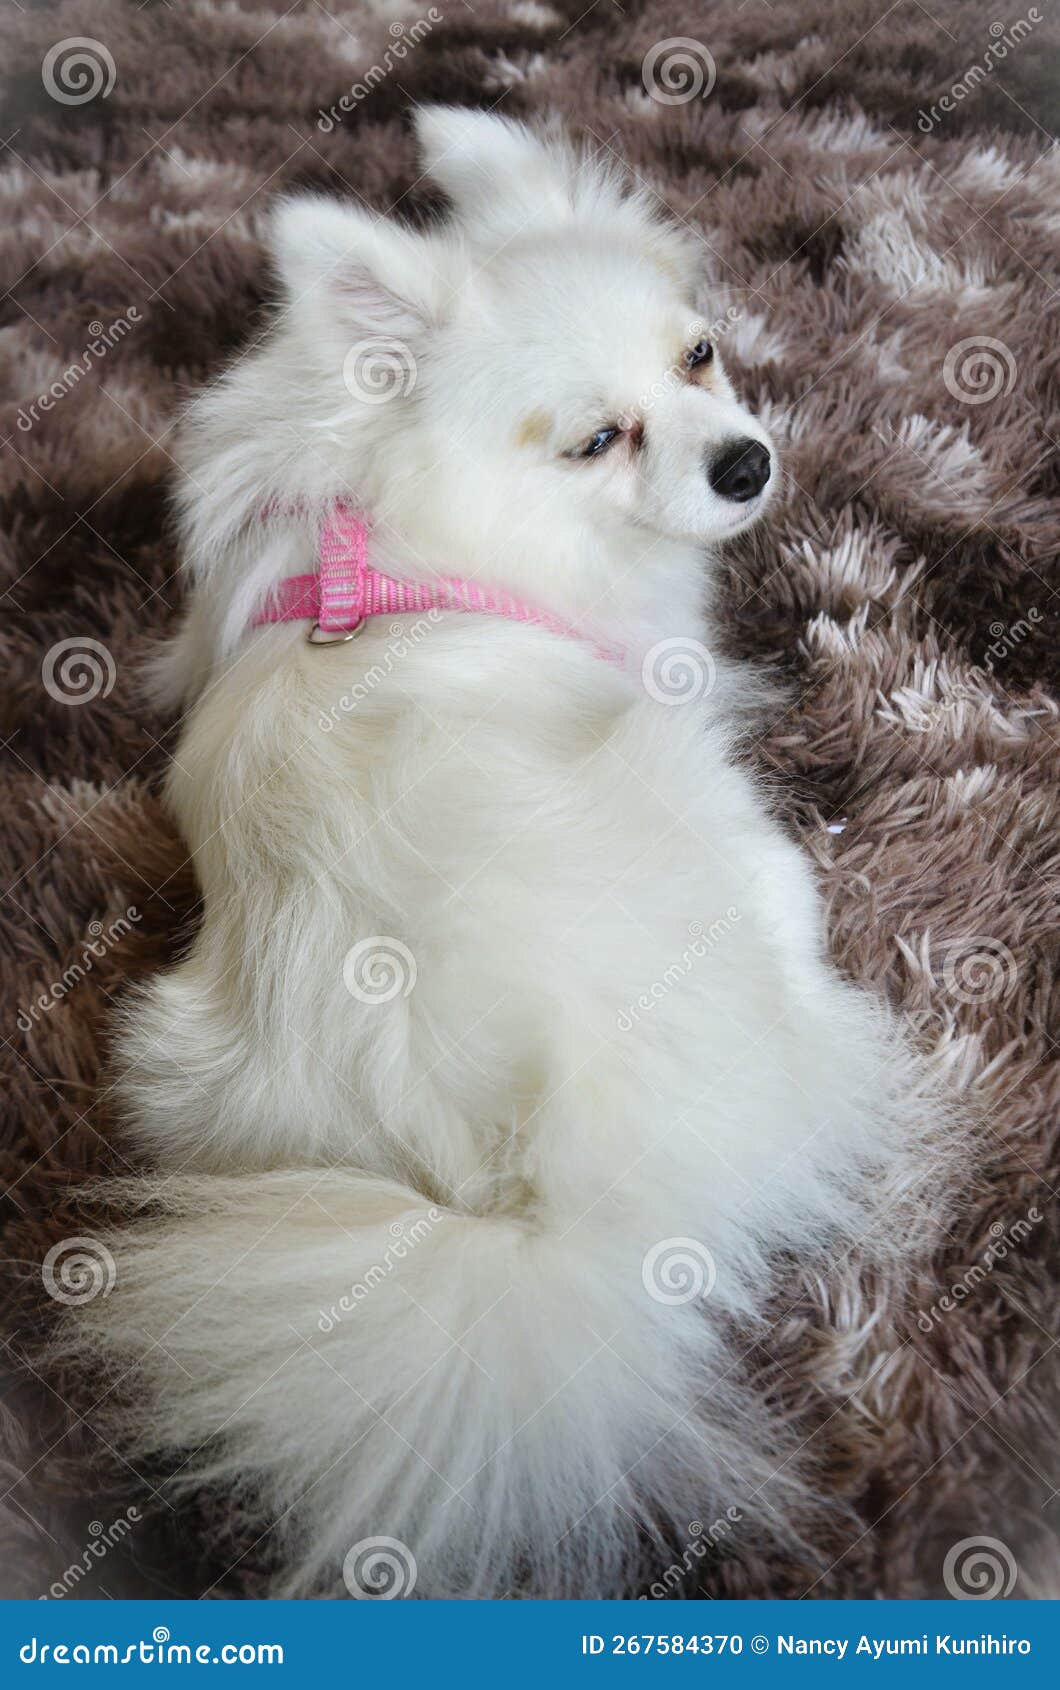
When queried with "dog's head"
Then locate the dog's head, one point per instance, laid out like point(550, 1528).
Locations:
point(538, 359)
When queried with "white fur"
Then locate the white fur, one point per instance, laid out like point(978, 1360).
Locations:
point(543, 835)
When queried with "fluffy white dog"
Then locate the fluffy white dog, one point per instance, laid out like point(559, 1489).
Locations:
point(507, 1059)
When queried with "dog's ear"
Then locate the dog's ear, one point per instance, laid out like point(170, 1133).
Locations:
point(359, 271)
point(500, 176)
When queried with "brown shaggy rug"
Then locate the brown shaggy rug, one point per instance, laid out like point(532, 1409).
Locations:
point(879, 209)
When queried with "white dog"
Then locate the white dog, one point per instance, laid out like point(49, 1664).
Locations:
point(507, 1059)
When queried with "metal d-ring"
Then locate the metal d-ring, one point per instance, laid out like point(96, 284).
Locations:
point(338, 636)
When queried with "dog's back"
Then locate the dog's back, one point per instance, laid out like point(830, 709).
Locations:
point(507, 1056)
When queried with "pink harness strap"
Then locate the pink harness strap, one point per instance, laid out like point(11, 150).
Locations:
point(346, 590)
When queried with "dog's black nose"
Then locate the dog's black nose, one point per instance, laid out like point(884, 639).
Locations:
point(740, 470)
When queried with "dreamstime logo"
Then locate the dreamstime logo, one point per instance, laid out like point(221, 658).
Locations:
point(1002, 41)
point(78, 670)
point(101, 1539)
point(701, 939)
point(701, 1540)
point(678, 70)
point(967, 691)
point(1005, 638)
point(979, 1569)
point(78, 70)
point(1004, 1241)
point(104, 338)
point(378, 969)
point(402, 38)
point(678, 671)
point(143, 1653)
point(402, 641)
point(978, 970)
point(405, 1234)
point(99, 942)
point(379, 369)
point(379, 1569)
point(676, 374)
point(923, 715)
point(979, 369)
point(78, 1270)
point(678, 1270)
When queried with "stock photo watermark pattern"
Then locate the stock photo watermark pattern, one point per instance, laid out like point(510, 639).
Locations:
point(679, 670)
point(379, 969)
point(78, 1270)
point(1006, 1239)
point(404, 638)
point(701, 940)
point(403, 38)
point(678, 70)
point(379, 1569)
point(979, 970)
point(379, 369)
point(78, 70)
point(679, 1270)
point(79, 670)
point(101, 1539)
point(979, 1569)
point(103, 338)
point(908, 217)
point(101, 940)
point(404, 1235)
point(979, 370)
point(702, 1541)
point(1004, 38)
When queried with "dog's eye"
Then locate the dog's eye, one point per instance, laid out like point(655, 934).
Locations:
point(599, 442)
point(701, 353)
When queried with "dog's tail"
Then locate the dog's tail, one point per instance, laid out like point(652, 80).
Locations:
point(463, 1405)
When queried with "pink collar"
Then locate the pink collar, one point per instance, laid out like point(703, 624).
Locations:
point(345, 590)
